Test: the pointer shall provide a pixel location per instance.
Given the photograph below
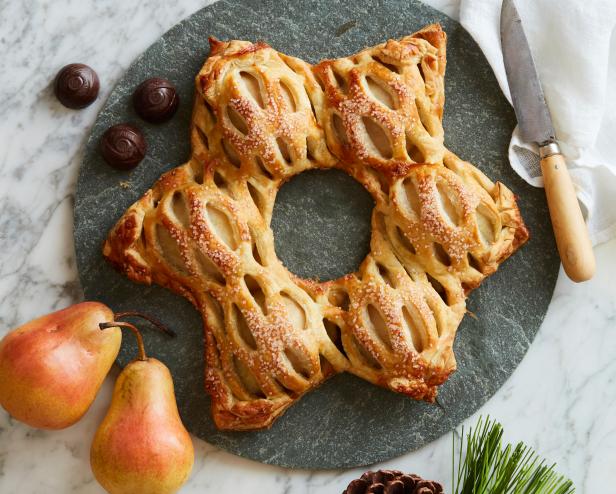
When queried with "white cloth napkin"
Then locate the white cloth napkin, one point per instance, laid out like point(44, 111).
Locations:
point(574, 47)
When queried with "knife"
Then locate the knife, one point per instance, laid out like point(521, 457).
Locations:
point(535, 125)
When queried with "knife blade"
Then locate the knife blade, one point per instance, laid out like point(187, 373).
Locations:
point(535, 124)
point(527, 96)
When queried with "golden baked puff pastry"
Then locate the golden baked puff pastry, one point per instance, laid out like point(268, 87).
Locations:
point(439, 226)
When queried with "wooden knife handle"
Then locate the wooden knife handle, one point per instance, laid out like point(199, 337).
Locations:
point(570, 229)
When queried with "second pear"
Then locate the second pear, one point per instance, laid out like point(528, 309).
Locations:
point(142, 447)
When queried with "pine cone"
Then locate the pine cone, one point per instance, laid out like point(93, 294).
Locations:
point(392, 482)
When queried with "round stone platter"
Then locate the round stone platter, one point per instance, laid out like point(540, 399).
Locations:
point(337, 425)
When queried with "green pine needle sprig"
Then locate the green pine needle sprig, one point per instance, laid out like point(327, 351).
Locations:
point(483, 465)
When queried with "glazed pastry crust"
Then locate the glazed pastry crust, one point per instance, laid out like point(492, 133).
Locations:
point(439, 225)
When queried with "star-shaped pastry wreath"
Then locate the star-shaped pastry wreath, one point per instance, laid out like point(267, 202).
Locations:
point(439, 225)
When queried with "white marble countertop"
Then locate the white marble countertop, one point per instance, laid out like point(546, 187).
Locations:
point(561, 399)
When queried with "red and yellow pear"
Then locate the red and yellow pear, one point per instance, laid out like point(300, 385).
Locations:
point(51, 368)
point(142, 447)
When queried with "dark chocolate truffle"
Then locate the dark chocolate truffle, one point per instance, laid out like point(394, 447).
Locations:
point(156, 100)
point(123, 146)
point(76, 86)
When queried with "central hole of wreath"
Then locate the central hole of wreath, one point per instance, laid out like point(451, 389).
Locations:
point(321, 224)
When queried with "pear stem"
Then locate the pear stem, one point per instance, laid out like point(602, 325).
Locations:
point(150, 319)
point(133, 328)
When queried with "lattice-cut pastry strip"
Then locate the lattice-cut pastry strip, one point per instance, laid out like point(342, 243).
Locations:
point(384, 104)
point(439, 226)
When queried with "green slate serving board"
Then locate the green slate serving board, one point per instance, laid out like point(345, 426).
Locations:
point(337, 425)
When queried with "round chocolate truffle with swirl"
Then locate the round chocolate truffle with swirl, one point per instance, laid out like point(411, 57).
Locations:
point(76, 86)
point(156, 100)
point(123, 146)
